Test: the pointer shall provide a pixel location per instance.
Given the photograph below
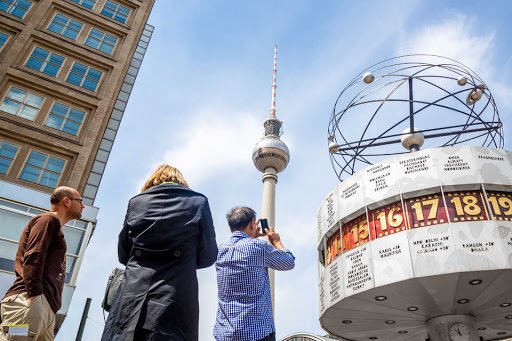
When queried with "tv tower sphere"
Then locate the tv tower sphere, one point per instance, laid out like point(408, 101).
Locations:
point(270, 152)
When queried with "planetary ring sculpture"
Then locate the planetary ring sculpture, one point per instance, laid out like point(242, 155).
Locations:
point(410, 99)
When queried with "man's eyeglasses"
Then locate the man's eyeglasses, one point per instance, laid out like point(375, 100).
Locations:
point(81, 201)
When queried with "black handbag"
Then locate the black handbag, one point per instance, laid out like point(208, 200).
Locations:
point(113, 284)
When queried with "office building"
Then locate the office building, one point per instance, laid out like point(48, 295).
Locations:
point(67, 68)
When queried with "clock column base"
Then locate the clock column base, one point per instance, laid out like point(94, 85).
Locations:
point(452, 327)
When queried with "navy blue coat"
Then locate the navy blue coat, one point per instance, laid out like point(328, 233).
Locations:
point(171, 231)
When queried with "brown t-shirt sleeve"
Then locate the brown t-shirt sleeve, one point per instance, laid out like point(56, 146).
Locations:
point(38, 241)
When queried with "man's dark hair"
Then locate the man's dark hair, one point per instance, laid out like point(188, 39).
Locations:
point(239, 217)
point(60, 193)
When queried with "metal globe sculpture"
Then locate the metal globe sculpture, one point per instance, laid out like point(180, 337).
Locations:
point(449, 101)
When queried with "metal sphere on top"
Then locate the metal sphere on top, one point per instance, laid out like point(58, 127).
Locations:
point(448, 100)
point(270, 152)
point(412, 141)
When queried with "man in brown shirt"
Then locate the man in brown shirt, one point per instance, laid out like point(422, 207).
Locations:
point(40, 267)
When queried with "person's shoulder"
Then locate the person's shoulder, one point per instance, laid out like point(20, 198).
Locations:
point(46, 217)
point(257, 243)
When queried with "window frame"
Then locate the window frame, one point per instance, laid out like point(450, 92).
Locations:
point(65, 119)
point(45, 62)
point(23, 103)
point(66, 26)
point(102, 41)
point(13, 4)
point(80, 2)
point(116, 11)
point(84, 76)
point(18, 147)
point(6, 40)
point(41, 170)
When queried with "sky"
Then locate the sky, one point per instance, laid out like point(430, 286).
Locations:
point(204, 90)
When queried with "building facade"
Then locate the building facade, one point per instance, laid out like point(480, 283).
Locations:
point(67, 68)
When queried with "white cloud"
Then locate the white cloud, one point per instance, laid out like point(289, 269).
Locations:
point(460, 38)
point(454, 38)
point(213, 144)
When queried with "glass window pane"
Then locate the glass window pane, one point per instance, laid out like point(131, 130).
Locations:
point(54, 122)
point(4, 165)
point(40, 53)
point(92, 43)
point(8, 150)
point(34, 100)
point(110, 40)
point(107, 48)
point(71, 127)
point(90, 85)
point(30, 173)
point(12, 224)
point(7, 255)
point(74, 239)
point(17, 94)
point(9, 106)
point(35, 64)
point(28, 112)
point(60, 109)
point(49, 179)
point(56, 59)
point(71, 34)
point(51, 70)
point(55, 165)
point(76, 115)
point(55, 27)
point(4, 6)
point(75, 25)
point(94, 74)
point(74, 79)
point(79, 69)
point(37, 159)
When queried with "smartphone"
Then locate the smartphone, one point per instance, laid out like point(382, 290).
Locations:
point(264, 226)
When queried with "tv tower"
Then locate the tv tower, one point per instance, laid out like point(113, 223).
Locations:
point(271, 156)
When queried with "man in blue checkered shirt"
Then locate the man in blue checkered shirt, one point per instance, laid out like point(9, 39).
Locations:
point(245, 305)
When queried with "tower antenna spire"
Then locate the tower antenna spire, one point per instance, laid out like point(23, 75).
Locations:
point(274, 85)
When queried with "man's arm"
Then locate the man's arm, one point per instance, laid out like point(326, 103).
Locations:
point(38, 241)
point(277, 256)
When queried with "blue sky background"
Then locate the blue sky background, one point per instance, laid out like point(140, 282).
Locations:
point(204, 90)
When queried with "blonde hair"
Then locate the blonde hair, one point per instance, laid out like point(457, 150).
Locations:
point(164, 173)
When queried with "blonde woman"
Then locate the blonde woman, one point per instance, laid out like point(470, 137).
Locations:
point(168, 233)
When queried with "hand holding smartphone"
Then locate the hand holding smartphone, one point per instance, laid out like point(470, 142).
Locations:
point(264, 226)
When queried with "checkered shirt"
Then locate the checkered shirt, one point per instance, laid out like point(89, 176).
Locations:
point(245, 305)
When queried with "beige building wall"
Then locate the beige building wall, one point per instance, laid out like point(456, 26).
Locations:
point(31, 31)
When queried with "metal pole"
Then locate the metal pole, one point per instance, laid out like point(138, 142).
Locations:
point(83, 320)
point(411, 108)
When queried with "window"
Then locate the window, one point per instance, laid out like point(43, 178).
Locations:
point(65, 26)
point(18, 8)
point(84, 76)
point(45, 61)
point(3, 39)
point(65, 118)
point(115, 11)
point(86, 3)
point(21, 103)
point(7, 154)
point(42, 169)
point(101, 41)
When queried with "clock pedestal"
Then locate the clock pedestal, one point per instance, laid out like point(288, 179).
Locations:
point(452, 327)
